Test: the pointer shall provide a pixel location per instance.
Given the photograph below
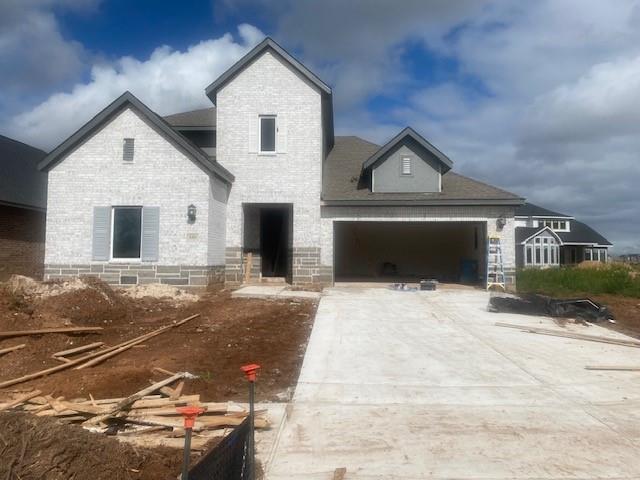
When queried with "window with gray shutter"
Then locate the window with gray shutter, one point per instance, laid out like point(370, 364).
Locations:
point(101, 233)
point(127, 150)
point(150, 234)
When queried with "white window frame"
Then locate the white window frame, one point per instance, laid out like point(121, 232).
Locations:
point(402, 165)
point(113, 217)
point(275, 135)
point(541, 248)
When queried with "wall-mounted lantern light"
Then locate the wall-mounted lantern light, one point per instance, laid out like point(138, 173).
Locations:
point(191, 213)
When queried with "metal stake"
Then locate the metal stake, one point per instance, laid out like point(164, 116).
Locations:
point(189, 414)
point(251, 371)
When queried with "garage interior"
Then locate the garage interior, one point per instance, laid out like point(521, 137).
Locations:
point(451, 252)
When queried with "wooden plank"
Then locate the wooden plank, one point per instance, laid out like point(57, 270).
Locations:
point(19, 400)
point(42, 331)
point(163, 371)
point(12, 349)
point(248, 265)
point(82, 348)
point(576, 336)
point(120, 349)
point(619, 368)
point(177, 391)
point(84, 359)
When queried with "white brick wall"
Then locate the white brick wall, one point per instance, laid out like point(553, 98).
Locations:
point(269, 86)
point(218, 194)
point(422, 214)
point(95, 175)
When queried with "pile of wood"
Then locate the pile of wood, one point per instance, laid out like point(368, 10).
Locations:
point(148, 417)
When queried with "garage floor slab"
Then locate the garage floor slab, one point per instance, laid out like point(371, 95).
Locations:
point(413, 385)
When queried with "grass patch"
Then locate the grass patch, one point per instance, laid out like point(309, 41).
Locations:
point(608, 279)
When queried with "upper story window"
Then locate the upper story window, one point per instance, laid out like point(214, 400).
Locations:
point(406, 166)
point(267, 133)
point(127, 150)
point(556, 225)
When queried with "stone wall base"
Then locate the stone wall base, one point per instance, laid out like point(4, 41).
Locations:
point(140, 274)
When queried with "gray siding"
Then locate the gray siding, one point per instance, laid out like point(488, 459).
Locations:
point(425, 172)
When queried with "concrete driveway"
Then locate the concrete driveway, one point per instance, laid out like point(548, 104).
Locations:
point(412, 385)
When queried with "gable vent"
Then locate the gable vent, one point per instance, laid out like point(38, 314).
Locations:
point(406, 166)
point(127, 150)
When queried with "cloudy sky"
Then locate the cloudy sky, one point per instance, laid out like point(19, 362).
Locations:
point(541, 98)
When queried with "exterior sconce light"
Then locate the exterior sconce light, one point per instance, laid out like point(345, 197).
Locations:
point(191, 213)
point(501, 222)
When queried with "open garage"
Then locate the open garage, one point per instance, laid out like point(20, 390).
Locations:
point(409, 251)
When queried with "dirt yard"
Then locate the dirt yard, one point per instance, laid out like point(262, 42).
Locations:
point(626, 311)
point(228, 333)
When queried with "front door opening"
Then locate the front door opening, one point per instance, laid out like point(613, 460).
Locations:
point(274, 241)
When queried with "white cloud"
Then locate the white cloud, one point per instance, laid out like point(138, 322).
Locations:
point(168, 82)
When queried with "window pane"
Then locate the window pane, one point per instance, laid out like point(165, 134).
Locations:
point(538, 255)
point(529, 255)
point(267, 134)
point(546, 255)
point(126, 232)
point(553, 255)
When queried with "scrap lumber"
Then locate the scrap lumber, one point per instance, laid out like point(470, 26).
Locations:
point(22, 333)
point(619, 368)
point(177, 391)
point(20, 400)
point(81, 360)
point(163, 371)
point(567, 334)
point(80, 349)
point(117, 349)
point(12, 349)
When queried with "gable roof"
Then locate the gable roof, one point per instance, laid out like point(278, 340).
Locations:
point(268, 44)
point(581, 233)
point(409, 132)
point(530, 210)
point(21, 183)
point(203, 118)
point(342, 184)
point(524, 234)
point(123, 101)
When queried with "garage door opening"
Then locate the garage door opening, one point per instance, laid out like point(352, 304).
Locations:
point(409, 251)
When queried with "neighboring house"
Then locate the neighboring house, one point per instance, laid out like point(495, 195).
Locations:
point(260, 187)
point(23, 203)
point(630, 258)
point(550, 239)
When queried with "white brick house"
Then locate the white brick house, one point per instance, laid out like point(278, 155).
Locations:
point(259, 187)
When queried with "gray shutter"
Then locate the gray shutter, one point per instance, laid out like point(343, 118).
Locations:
point(150, 234)
point(101, 233)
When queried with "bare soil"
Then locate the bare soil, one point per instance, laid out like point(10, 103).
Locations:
point(626, 311)
point(36, 448)
point(229, 333)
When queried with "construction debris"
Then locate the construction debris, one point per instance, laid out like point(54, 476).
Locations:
point(95, 357)
point(619, 368)
point(140, 414)
point(12, 349)
point(22, 333)
point(567, 334)
point(582, 308)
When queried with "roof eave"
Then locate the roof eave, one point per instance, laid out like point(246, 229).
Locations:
point(450, 202)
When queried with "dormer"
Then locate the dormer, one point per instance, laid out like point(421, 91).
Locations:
point(406, 164)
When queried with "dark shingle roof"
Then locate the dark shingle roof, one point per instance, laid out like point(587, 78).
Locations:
point(202, 118)
point(522, 233)
point(21, 183)
point(582, 233)
point(342, 181)
point(531, 210)
point(127, 99)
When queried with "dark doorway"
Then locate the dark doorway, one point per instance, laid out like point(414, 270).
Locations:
point(274, 241)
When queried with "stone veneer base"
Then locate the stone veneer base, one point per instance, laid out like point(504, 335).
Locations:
point(140, 273)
